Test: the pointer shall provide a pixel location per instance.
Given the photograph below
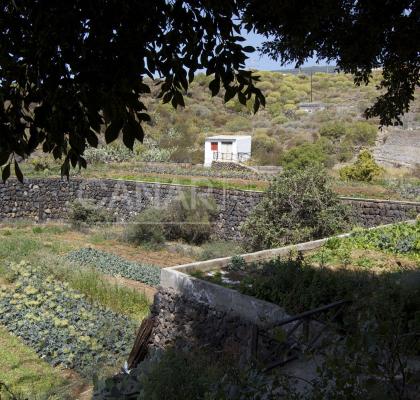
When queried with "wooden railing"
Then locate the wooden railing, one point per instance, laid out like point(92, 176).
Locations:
point(218, 156)
point(297, 335)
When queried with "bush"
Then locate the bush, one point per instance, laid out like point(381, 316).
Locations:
point(190, 217)
point(365, 168)
point(115, 152)
point(184, 375)
point(41, 164)
point(86, 213)
point(333, 130)
point(146, 228)
point(299, 205)
point(362, 133)
point(220, 248)
point(306, 155)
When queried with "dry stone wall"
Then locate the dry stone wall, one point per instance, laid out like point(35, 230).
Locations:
point(47, 199)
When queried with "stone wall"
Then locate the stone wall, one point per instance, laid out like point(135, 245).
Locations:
point(44, 199)
point(182, 323)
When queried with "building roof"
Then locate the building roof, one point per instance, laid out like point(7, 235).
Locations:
point(314, 104)
point(228, 137)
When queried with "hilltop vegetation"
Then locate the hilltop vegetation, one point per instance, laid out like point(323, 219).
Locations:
point(282, 132)
point(179, 135)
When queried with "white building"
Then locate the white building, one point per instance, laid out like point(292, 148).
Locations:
point(233, 148)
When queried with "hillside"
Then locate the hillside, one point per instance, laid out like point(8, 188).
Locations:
point(338, 131)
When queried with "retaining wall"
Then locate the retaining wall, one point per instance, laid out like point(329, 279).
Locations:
point(44, 199)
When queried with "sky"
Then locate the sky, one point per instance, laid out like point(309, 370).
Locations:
point(264, 62)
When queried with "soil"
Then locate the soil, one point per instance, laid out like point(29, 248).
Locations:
point(161, 258)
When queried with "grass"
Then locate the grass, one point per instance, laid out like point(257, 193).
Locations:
point(130, 302)
point(46, 245)
point(380, 189)
point(27, 375)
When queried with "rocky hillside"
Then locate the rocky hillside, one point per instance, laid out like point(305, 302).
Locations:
point(336, 128)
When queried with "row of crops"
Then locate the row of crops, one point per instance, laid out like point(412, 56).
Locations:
point(60, 324)
point(111, 264)
point(64, 326)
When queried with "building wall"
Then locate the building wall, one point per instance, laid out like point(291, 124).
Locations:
point(47, 199)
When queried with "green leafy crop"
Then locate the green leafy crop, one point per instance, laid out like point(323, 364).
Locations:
point(116, 266)
point(60, 325)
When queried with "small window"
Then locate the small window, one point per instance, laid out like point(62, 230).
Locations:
point(214, 146)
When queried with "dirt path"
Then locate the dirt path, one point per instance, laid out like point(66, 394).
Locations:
point(141, 287)
point(80, 389)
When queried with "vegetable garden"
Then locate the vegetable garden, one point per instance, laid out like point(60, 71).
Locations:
point(60, 305)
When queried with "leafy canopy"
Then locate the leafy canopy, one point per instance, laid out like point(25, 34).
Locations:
point(357, 35)
point(69, 68)
point(66, 68)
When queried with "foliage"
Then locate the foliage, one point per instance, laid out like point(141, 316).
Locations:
point(60, 324)
point(333, 130)
point(116, 152)
point(362, 133)
point(306, 155)
point(289, 43)
point(299, 205)
point(364, 169)
point(146, 228)
point(111, 264)
point(178, 375)
point(189, 217)
point(220, 248)
point(65, 94)
point(84, 213)
point(236, 263)
point(399, 238)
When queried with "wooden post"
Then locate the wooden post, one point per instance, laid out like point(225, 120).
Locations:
point(139, 351)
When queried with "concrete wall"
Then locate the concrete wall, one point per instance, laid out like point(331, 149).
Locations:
point(43, 199)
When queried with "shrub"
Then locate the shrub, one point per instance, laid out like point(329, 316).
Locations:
point(146, 228)
point(220, 248)
point(362, 133)
point(87, 213)
point(280, 119)
point(115, 152)
point(181, 375)
point(111, 264)
point(41, 164)
point(306, 155)
point(364, 169)
point(299, 205)
point(236, 263)
point(333, 130)
point(190, 217)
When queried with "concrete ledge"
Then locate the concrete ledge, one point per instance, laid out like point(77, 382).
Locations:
point(250, 309)
point(259, 312)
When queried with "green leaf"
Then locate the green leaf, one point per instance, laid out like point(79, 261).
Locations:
point(5, 173)
point(113, 130)
point(248, 49)
point(214, 86)
point(18, 172)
